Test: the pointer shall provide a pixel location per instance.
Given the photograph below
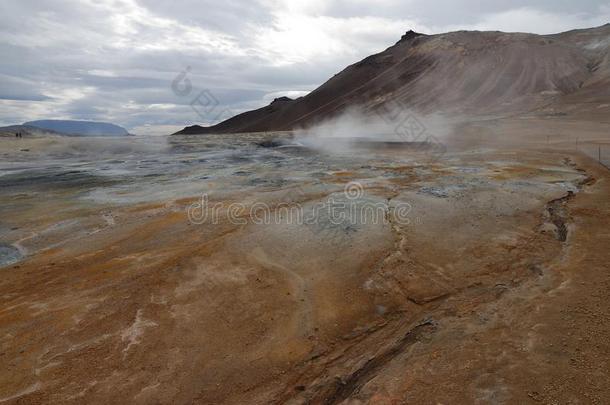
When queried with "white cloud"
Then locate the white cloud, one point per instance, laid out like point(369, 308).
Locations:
point(155, 130)
point(293, 94)
point(536, 21)
point(296, 38)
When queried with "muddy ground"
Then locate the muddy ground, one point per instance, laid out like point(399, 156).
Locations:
point(485, 280)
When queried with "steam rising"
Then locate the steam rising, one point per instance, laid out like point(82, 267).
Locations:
point(95, 147)
point(391, 125)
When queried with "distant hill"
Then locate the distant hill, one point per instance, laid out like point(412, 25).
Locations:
point(27, 131)
point(80, 128)
point(465, 73)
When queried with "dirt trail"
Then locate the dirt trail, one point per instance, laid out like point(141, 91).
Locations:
point(304, 323)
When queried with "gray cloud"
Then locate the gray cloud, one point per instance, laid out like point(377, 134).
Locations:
point(115, 60)
point(450, 12)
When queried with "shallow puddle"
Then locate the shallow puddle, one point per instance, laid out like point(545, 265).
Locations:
point(9, 255)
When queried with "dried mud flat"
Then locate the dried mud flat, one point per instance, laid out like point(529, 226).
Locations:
point(494, 291)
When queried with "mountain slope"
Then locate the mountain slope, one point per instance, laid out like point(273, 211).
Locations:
point(459, 73)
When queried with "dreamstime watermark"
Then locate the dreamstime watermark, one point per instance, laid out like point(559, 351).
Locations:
point(204, 103)
point(349, 210)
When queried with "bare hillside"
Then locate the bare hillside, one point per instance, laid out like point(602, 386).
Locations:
point(484, 74)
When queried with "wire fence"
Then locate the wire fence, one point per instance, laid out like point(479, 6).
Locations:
point(599, 151)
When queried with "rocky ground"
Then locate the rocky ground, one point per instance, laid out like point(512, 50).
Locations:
point(491, 288)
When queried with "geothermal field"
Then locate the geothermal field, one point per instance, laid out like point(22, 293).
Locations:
point(429, 226)
point(270, 268)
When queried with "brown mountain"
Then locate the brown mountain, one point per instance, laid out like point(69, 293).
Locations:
point(485, 74)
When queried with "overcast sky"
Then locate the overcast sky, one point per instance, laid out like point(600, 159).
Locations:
point(116, 60)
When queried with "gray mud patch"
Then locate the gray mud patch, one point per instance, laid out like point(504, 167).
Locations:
point(442, 191)
point(49, 179)
point(9, 255)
